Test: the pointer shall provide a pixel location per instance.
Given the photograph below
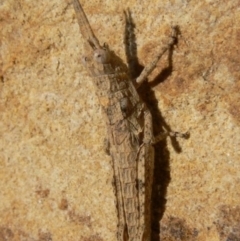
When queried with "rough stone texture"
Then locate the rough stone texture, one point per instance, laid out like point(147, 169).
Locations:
point(55, 178)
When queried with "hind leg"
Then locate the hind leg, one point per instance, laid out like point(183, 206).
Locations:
point(119, 200)
point(151, 66)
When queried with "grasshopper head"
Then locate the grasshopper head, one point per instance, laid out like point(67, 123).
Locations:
point(101, 55)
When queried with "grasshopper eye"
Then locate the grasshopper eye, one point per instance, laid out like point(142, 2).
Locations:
point(101, 56)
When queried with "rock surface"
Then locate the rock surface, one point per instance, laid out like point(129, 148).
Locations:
point(55, 176)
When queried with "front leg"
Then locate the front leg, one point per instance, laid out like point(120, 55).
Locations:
point(151, 66)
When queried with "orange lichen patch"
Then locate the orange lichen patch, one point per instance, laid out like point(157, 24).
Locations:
point(63, 205)
point(6, 233)
point(20, 44)
point(43, 193)
point(228, 223)
point(232, 97)
point(176, 229)
point(18, 234)
point(52, 130)
point(148, 51)
point(44, 236)
point(234, 110)
point(176, 86)
point(80, 219)
point(95, 237)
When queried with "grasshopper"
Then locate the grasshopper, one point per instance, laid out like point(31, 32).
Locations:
point(129, 130)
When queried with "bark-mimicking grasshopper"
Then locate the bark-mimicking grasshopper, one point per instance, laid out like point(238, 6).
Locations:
point(129, 127)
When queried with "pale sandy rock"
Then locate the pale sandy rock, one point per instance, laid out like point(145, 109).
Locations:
point(55, 176)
